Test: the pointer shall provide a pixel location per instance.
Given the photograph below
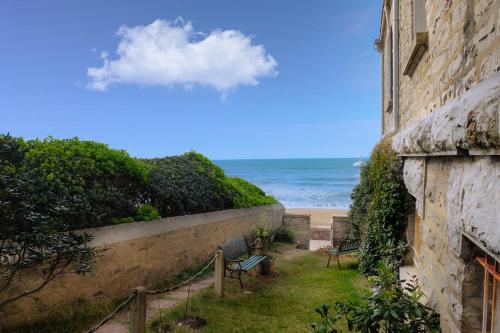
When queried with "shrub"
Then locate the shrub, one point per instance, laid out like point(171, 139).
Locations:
point(360, 197)
point(187, 184)
point(98, 183)
point(285, 235)
point(379, 208)
point(263, 233)
point(31, 237)
point(147, 213)
point(191, 183)
point(245, 194)
point(385, 307)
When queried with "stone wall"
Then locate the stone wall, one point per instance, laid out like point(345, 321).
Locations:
point(449, 134)
point(463, 49)
point(340, 228)
point(458, 206)
point(142, 253)
point(301, 226)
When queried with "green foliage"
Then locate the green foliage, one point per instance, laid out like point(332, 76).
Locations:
point(103, 186)
point(246, 194)
point(191, 183)
point(97, 182)
point(385, 307)
point(360, 196)
point(147, 213)
point(187, 184)
point(30, 236)
point(379, 207)
point(285, 235)
point(264, 233)
point(122, 220)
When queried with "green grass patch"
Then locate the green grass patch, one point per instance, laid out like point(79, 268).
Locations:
point(284, 303)
point(76, 317)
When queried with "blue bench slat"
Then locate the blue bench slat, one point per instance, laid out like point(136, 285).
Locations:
point(251, 262)
point(346, 247)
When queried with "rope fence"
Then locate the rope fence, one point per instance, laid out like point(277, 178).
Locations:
point(142, 307)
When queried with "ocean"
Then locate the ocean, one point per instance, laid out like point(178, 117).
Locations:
point(300, 183)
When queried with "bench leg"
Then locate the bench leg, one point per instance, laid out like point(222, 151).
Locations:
point(239, 278)
point(329, 257)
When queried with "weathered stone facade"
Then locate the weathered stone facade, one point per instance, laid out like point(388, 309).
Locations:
point(449, 135)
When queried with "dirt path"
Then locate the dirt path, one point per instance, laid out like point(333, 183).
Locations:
point(154, 304)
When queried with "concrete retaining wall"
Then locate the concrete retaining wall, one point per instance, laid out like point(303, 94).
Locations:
point(301, 226)
point(142, 253)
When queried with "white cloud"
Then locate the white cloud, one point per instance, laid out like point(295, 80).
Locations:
point(171, 53)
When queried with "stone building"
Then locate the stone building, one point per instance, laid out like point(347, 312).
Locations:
point(440, 105)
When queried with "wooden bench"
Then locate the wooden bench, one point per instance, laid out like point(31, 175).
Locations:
point(345, 247)
point(233, 249)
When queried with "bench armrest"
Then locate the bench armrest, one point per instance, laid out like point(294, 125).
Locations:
point(237, 261)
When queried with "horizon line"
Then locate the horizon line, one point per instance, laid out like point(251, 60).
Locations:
point(288, 158)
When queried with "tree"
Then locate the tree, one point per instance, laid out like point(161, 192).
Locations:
point(28, 238)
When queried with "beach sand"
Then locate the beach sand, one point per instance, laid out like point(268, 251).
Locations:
point(320, 217)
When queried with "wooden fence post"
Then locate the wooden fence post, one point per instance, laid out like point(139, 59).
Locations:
point(138, 313)
point(219, 274)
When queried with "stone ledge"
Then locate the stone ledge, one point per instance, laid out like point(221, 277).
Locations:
point(111, 234)
point(468, 123)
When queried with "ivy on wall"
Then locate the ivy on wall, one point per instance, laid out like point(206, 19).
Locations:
point(380, 204)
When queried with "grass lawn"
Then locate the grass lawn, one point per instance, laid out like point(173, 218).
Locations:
point(284, 303)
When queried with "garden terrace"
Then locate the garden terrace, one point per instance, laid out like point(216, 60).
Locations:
point(282, 303)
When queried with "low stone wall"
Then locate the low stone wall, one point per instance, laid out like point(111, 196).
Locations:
point(301, 226)
point(341, 226)
point(142, 253)
point(321, 233)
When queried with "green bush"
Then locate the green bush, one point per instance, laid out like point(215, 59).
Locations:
point(245, 194)
point(97, 182)
point(385, 307)
point(147, 213)
point(263, 233)
point(285, 235)
point(379, 208)
point(99, 185)
point(191, 183)
point(187, 184)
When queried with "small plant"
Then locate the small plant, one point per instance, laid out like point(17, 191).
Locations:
point(264, 233)
point(285, 235)
point(386, 307)
point(147, 213)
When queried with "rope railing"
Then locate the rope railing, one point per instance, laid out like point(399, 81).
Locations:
point(113, 313)
point(150, 292)
point(164, 290)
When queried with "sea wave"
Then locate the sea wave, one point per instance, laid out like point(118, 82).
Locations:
point(300, 183)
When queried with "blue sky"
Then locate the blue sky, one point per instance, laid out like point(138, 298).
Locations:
point(253, 79)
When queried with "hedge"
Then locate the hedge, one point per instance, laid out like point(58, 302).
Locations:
point(100, 183)
point(191, 183)
point(380, 203)
point(88, 184)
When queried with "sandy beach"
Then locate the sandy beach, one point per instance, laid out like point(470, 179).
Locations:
point(320, 217)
